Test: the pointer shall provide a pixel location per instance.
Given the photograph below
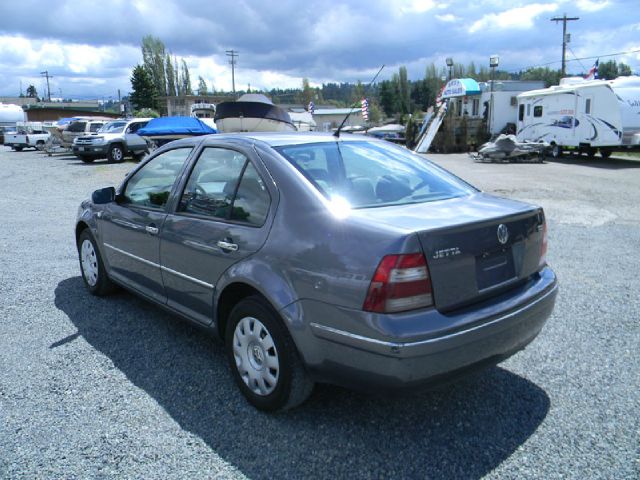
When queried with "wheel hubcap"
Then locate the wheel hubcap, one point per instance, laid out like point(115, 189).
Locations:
point(256, 356)
point(117, 154)
point(89, 263)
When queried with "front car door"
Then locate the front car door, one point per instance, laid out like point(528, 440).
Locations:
point(130, 226)
point(223, 216)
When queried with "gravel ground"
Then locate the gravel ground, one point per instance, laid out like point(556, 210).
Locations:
point(115, 388)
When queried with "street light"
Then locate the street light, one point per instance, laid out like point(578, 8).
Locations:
point(449, 61)
point(494, 60)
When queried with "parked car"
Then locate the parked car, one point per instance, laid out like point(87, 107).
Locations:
point(113, 141)
point(79, 128)
point(4, 130)
point(26, 137)
point(316, 259)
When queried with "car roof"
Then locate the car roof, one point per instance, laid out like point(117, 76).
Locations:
point(277, 139)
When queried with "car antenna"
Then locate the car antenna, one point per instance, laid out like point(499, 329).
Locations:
point(337, 132)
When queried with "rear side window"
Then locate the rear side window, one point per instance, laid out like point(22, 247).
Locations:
point(521, 112)
point(77, 127)
point(537, 111)
point(151, 185)
point(372, 174)
point(225, 185)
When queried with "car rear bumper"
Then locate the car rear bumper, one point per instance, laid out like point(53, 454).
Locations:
point(344, 357)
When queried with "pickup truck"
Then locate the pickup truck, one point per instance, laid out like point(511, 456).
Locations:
point(114, 141)
point(26, 138)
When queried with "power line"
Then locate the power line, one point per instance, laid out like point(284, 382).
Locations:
point(233, 54)
point(576, 59)
point(564, 19)
point(46, 74)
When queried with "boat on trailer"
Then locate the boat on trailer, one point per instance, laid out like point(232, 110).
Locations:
point(252, 112)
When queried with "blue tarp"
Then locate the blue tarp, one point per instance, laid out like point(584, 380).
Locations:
point(176, 126)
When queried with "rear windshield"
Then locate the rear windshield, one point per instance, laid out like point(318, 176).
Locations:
point(372, 174)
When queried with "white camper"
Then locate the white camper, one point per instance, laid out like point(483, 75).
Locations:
point(582, 114)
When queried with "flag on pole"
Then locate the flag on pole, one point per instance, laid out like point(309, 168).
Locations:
point(311, 107)
point(365, 109)
point(593, 73)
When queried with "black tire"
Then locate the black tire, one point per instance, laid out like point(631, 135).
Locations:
point(605, 152)
point(40, 145)
point(102, 285)
point(138, 157)
point(86, 159)
point(115, 154)
point(293, 385)
point(556, 151)
point(17, 149)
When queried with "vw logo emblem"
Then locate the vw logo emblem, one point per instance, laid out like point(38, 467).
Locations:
point(503, 233)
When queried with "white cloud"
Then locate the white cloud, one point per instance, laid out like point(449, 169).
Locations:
point(447, 17)
point(417, 6)
point(592, 6)
point(517, 18)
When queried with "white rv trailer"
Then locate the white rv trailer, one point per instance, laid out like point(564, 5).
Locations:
point(583, 114)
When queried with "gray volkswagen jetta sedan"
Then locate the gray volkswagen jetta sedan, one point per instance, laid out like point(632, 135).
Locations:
point(321, 259)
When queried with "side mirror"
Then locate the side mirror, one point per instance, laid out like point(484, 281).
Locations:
point(103, 195)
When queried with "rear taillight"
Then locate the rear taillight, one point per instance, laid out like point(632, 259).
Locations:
point(543, 248)
point(401, 282)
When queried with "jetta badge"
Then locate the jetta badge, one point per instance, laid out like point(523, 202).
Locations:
point(503, 233)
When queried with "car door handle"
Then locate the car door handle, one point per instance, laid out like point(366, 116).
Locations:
point(151, 229)
point(227, 246)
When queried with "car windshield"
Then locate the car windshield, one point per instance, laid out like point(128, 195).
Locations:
point(113, 127)
point(372, 174)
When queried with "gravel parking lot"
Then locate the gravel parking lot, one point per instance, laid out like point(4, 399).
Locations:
point(116, 388)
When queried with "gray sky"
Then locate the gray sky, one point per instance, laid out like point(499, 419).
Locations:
point(91, 47)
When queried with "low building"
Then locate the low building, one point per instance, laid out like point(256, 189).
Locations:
point(180, 106)
point(478, 110)
point(52, 112)
point(329, 118)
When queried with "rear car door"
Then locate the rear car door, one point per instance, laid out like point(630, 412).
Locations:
point(135, 143)
point(130, 226)
point(222, 217)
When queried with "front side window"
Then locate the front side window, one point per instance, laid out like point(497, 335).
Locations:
point(151, 185)
point(372, 174)
point(94, 127)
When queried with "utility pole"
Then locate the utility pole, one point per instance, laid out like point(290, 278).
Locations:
point(46, 74)
point(564, 19)
point(233, 54)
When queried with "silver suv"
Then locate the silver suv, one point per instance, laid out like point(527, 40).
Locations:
point(114, 141)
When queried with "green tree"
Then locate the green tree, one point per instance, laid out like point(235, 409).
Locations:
point(403, 90)
point(171, 76)
point(550, 77)
point(32, 92)
point(307, 94)
point(153, 58)
point(611, 69)
point(202, 86)
point(387, 96)
point(185, 79)
point(143, 89)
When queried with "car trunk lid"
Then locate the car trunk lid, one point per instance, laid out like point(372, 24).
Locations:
point(476, 246)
